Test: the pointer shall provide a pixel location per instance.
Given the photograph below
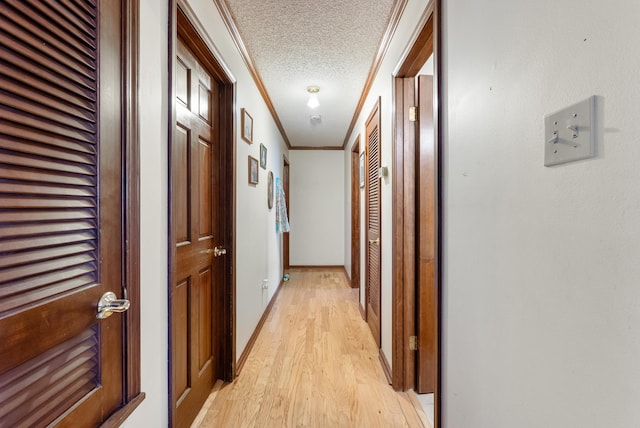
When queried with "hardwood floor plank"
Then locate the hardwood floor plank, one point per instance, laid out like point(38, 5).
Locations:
point(314, 364)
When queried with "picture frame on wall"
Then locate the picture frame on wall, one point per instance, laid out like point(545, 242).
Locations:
point(254, 170)
point(362, 170)
point(247, 126)
point(263, 156)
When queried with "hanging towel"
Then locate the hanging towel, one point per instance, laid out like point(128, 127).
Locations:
point(282, 221)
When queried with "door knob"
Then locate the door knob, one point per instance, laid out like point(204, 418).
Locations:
point(375, 241)
point(108, 304)
point(217, 252)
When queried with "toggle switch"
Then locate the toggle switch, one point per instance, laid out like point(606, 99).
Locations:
point(570, 133)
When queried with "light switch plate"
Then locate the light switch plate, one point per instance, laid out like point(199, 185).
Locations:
point(569, 134)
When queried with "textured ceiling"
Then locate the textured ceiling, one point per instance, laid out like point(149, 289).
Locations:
point(326, 43)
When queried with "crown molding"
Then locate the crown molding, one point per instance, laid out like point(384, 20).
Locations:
point(394, 20)
point(230, 22)
point(315, 148)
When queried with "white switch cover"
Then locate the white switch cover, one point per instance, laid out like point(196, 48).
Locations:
point(570, 133)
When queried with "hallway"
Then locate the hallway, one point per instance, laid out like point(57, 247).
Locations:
point(314, 364)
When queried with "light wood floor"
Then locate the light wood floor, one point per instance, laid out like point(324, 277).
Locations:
point(314, 364)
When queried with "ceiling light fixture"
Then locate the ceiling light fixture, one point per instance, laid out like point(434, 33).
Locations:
point(313, 96)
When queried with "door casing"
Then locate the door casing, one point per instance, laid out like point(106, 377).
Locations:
point(355, 214)
point(285, 236)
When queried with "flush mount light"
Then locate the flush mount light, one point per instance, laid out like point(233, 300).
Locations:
point(313, 96)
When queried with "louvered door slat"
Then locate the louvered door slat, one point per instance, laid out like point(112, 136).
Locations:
point(52, 77)
point(56, 52)
point(75, 15)
point(47, 177)
point(22, 258)
point(29, 81)
point(66, 22)
point(16, 132)
point(26, 119)
point(85, 6)
point(53, 154)
point(47, 266)
point(54, 203)
point(72, 52)
point(46, 165)
point(47, 190)
point(59, 119)
point(36, 389)
point(23, 294)
point(83, 47)
point(45, 241)
point(45, 62)
point(15, 89)
point(39, 216)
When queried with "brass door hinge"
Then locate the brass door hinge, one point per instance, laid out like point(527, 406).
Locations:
point(413, 114)
point(413, 343)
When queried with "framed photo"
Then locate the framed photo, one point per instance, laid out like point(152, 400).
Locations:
point(361, 170)
point(270, 190)
point(247, 127)
point(263, 156)
point(253, 170)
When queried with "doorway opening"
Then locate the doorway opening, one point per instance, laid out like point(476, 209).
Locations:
point(355, 214)
point(417, 217)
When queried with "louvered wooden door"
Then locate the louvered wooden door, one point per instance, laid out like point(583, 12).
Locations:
point(60, 211)
point(373, 223)
point(196, 232)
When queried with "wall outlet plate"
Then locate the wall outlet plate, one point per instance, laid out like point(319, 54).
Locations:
point(570, 133)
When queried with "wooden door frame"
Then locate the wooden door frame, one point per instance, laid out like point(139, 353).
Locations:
point(426, 41)
point(131, 211)
point(355, 215)
point(286, 265)
point(183, 20)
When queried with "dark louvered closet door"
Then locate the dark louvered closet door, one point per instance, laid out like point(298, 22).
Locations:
point(60, 211)
point(373, 223)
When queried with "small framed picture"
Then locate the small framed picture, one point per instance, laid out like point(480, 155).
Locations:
point(361, 170)
point(247, 127)
point(253, 170)
point(263, 156)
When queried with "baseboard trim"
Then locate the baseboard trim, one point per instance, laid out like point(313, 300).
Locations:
point(319, 267)
point(362, 312)
point(415, 402)
point(386, 368)
point(256, 332)
point(121, 415)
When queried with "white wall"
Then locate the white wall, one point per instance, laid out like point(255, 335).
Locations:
point(153, 411)
point(541, 268)
point(258, 247)
point(317, 220)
